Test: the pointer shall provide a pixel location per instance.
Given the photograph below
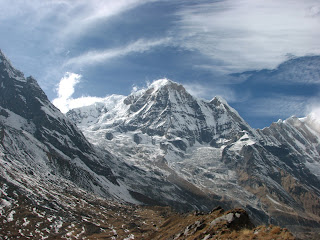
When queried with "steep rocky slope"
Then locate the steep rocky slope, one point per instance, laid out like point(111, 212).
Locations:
point(82, 215)
point(40, 146)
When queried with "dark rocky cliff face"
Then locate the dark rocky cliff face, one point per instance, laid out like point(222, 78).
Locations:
point(26, 110)
point(24, 97)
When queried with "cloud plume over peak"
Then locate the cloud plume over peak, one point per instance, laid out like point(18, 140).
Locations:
point(65, 90)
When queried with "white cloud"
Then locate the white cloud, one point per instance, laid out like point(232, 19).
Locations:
point(105, 9)
point(67, 17)
point(281, 106)
point(71, 103)
point(251, 34)
point(315, 114)
point(139, 46)
point(84, 14)
point(65, 90)
point(67, 84)
point(209, 92)
point(313, 108)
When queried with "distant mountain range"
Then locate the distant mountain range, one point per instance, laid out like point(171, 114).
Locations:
point(158, 146)
point(297, 69)
point(273, 173)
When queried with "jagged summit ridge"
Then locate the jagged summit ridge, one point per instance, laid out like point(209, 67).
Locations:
point(8, 70)
point(166, 109)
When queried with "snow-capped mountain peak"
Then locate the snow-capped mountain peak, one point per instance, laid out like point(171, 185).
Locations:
point(165, 130)
point(166, 84)
point(166, 109)
point(161, 83)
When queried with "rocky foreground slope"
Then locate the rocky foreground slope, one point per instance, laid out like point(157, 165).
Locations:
point(84, 216)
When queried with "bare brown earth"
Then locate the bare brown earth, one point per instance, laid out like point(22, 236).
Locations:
point(79, 215)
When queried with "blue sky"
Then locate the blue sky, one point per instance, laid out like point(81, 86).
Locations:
point(97, 48)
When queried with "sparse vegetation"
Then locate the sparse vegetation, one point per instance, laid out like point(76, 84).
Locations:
point(79, 215)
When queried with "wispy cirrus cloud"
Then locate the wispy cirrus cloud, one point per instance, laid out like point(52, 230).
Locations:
point(251, 34)
point(94, 57)
point(65, 17)
point(84, 14)
point(47, 31)
point(104, 9)
point(282, 106)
